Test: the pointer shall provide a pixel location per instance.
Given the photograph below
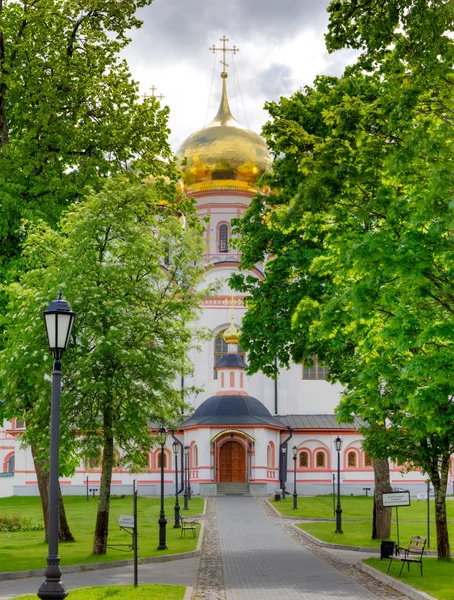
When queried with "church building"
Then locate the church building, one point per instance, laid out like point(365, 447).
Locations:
point(247, 434)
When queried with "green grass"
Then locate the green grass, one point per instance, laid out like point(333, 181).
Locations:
point(357, 519)
point(354, 507)
point(26, 550)
point(125, 592)
point(359, 533)
point(437, 578)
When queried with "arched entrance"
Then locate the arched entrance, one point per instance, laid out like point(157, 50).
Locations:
point(232, 463)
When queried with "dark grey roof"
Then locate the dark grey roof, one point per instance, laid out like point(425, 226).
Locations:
point(317, 422)
point(232, 410)
point(231, 360)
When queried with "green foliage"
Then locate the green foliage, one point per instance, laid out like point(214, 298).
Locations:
point(358, 242)
point(69, 110)
point(18, 523)
point(130, 335)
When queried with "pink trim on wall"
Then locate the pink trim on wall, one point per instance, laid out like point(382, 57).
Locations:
point(5, 461)
point(346, 453)
point(327, 459)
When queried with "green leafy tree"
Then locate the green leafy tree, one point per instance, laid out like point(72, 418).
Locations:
point(69, 110)
point(360, 269)
point(127, 259)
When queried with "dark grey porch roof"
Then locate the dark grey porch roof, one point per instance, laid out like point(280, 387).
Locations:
point(316, 422)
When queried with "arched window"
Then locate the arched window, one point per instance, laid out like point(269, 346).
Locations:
point(158, 459)
point(320, 460)
point(304, 459)
point(351, 460)
point(19, 424)
point(269, 456)
point(312, 369)
point(368, 462)
point(195, 457)
point(220, 350)
point(11, 464)
point(223, 238)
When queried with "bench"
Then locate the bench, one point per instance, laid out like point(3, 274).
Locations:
point(188, 525)
point(412, 554)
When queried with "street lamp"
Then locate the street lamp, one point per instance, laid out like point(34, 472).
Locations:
point(186, 470)
point(338, 446)
point(59, 320)
point(284, 468)
point(176, 448)
point(162, 437)
point(295, 495)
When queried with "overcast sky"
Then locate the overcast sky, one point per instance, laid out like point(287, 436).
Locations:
point(281, 48)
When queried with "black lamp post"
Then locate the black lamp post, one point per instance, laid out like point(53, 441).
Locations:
point(176, 448)
point(59, 320)
point(162, 437)
point(284, 468)
point(295, 495)
point(186, 470)
point(338, 446)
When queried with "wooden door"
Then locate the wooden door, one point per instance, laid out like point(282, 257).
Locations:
point(232, 463)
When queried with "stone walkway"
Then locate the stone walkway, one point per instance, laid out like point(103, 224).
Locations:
point(262, 558)
point(177, 572)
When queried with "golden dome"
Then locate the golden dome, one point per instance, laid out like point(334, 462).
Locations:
point(224, 155)
point(231, 335)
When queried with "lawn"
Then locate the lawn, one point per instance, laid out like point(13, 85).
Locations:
point(125, 592)
point(437, 579)
point(26, 550)
point(359, 533)
point(354, 507)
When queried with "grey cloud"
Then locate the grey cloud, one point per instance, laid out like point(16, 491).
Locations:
point(184, 29)
point(275, 81)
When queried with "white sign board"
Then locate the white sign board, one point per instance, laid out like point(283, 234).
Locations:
point(396, 499)
point(126, 521)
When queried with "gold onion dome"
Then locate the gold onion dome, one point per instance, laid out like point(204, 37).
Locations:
point(224, 155)
point(231, 335)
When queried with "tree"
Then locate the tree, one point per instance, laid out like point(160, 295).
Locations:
point(69, 110)
point(360, 272)
point(127, 259)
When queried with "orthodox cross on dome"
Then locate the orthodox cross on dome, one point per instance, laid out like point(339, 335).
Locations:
point(153, 89)
point(224, 49)
point(232, 301)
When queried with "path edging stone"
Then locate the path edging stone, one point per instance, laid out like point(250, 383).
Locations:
point(393, 583)
point(109, 565)
point(189, 593)
point(318, 542)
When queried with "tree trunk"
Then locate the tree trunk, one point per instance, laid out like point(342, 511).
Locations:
point(64, 532)
point(381, 527)
point(102, 517)
point(439, 480)
point(42, 476)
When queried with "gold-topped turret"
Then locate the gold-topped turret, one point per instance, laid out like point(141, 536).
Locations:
point(231, 335)
point(224, 155)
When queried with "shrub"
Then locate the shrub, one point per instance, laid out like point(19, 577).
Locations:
point(17, 523)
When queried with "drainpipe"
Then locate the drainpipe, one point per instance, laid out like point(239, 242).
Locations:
point(275, 388)
point(172, 433)
point(283, 463)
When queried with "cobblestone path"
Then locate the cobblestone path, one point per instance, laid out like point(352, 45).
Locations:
point(333, 558)
point(263, 559)
point(210, 581)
